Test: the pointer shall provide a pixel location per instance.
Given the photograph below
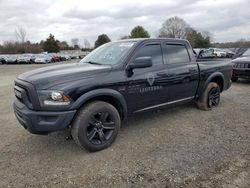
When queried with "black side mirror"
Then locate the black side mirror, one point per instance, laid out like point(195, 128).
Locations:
point(140, 62)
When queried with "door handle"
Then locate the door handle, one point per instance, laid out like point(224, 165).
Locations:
point(165, 74)
point(162, 74)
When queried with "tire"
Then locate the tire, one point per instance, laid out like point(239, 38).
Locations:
point(234, 79)
point(210, 97)
point(96, 126)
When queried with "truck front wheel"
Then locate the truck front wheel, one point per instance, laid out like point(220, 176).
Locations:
point(96, 126)
point(210, 97)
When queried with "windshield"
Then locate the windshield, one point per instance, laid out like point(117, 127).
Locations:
point(109, 54)
point(246, 53)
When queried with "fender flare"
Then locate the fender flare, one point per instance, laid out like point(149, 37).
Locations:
point(98, 93)
point(208, 80)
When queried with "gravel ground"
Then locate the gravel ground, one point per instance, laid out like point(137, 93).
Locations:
point(178, 147)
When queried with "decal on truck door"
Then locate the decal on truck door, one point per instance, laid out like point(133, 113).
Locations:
point(151, 78)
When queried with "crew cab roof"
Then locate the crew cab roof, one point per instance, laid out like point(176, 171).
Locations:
point(154, 39)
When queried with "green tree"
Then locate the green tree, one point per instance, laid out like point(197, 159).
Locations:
point(51, 45)
point(139, 32)
point(198, 40)
point(102, 39)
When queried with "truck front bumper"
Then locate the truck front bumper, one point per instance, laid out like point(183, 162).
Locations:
point(242, 73)
point(42, 122)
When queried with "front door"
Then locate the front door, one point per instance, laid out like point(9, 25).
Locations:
point(147, 86)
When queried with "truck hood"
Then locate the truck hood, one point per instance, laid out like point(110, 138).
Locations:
point(49, 76)
point(242, 59)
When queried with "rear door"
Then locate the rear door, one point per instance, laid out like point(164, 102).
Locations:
point(183, 73)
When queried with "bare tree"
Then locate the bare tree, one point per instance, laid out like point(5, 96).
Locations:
point(75, 42)
point(207, 34)
point(86, 44)
point(174, 27)
point(21, 34)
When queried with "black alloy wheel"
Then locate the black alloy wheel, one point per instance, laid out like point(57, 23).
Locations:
point(214, 97)
point(210, 98)
point(96, 125)
point(100, 128)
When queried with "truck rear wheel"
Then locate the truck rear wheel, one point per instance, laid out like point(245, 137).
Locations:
point(210, 97)
point(96, 126)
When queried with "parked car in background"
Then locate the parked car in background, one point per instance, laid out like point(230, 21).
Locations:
point(65, 57)
point(81, 56)
point(2, 59)
point(219, 52)
point(241, 66)
point(214, 53)
point(43, 58)
point(229, 53)
point(26, 58)
point(239, 52)
point(55, 57)
point(74, 56)
point(206, 53)
point(11, 59)
point(197, 51)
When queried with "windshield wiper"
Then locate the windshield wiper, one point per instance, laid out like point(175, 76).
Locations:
point(92, 62)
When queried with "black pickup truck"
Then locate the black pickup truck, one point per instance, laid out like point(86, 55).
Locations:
point(115, 81)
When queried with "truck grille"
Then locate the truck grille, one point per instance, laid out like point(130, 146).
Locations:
point(25, 93)
point(242, 65)
point(22, 95)
point(19, 93)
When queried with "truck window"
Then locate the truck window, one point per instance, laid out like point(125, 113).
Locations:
point(152, 50)
point(176, 53)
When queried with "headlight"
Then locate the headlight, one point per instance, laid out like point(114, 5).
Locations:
point(53, 98)
point(55, 95)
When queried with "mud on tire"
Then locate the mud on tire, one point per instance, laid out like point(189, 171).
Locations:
point(210, 98)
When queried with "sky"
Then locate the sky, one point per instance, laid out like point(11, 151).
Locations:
point(226, 20)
